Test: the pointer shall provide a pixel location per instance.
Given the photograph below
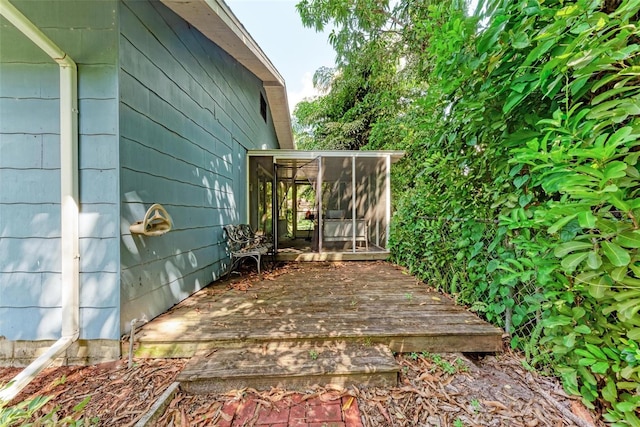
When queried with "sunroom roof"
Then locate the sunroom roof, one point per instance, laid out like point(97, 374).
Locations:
point(395, 155)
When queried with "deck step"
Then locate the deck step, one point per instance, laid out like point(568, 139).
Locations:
point(291, 365)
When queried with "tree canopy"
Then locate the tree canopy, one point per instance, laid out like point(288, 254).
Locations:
point(520, 123)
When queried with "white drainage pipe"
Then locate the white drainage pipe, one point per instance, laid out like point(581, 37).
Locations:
point(69, 198)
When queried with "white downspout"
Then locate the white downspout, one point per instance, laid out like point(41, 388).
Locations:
point(69, 198)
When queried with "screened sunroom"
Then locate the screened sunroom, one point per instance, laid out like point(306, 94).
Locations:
point(322, 204)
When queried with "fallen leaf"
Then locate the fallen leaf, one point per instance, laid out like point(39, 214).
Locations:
point(184, 421)
point(383, 412)
point(495, 404)
point(580, 411)
point(347, 404)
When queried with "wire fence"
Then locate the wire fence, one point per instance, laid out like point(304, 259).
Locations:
point(458, 260)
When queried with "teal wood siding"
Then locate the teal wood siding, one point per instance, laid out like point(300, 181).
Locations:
point(188, 114)
point(30, 171)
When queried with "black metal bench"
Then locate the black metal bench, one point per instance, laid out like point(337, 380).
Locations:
point(244, 243)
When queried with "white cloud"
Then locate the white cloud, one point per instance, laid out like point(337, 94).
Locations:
point(304, 89)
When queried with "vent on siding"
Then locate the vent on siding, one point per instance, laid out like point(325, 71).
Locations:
point(263, 108)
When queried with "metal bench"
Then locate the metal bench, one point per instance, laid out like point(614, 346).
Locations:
point(244, 243)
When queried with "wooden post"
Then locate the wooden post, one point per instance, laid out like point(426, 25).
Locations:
point(354, 210)
point(319, 200)
point(294, 207)
point(377, 199)
point(274, 207)
point(388, 199)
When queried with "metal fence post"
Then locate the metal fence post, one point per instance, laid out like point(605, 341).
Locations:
point(507, 314)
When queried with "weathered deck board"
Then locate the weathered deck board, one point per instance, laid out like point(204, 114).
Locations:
point(372, 302)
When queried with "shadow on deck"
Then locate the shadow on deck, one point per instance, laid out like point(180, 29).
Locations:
point(366, 302)
point(310, 323)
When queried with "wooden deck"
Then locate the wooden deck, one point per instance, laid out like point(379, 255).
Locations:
point(362, 302)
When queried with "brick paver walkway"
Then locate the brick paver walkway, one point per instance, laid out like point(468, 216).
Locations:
point(293, 412)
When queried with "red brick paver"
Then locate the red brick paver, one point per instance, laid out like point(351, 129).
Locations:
point(244, 413)
point(325, 412)
point(351, 412)
point(277, 415)
point(294, 412)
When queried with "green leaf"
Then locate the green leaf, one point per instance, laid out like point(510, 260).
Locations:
point(618, 274)
point(595, 351)
point(621, 136)
point(572, 261)
point(600, 367)
point(614, 170)
point(520, 41)
point(593, 260)
point(582, 329)
point(520, 180)
point(618, 202)
point(491, 35)
point(569, 340)
point(606, 226)
point(568, 247)
point(559, 320)
point(525, 199)
point(586, 219)
point(514, 99)
point(634, 334)
point(80, 406)
point(610, 354)
point(597, 290)
point(492, 265)
point(560, 223)
point(570, 10)
point(628, 239)
point(626, 406)
point(617, 256)
point(595, 281)
point(611, 93)
point(609, 391)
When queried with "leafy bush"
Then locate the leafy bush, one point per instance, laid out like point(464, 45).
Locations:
point(561, 174)
point(35, 413)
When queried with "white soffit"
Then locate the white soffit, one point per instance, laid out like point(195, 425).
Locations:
point(214, 19)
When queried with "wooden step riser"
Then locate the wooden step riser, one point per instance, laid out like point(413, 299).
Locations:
point(440, 322)
point(290, 365)
point(379, 379)
point(343, 256)
point(401, 344)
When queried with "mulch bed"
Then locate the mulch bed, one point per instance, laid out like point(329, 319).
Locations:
point(433, 390)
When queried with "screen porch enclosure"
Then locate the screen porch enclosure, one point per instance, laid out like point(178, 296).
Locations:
point(322, 201)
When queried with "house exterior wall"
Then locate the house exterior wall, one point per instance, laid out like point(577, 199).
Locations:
point(30, 263)
point(188, 112)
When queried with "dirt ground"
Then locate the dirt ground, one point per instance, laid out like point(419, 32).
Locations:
point(433, 390)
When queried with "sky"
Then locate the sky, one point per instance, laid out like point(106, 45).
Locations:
point(297, 52)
